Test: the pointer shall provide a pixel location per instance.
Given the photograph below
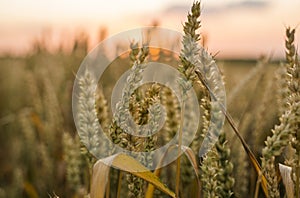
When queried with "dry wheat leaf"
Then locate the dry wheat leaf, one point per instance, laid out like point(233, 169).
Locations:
point(258, 170)
point(285, 172)
point(99, 179)
point(125, 163)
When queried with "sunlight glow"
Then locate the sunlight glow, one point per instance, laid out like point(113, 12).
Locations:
point(235, 26)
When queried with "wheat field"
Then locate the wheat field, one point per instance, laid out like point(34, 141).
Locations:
point(257, 152)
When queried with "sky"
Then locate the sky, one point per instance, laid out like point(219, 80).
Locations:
point(233, 28)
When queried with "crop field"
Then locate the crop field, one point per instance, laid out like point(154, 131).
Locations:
point(46, 151)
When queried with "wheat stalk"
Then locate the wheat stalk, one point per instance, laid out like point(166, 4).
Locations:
point(119, 128)
point(293, 77)
point(289, 122)
point(187, 67)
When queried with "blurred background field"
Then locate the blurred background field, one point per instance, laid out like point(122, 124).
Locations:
point(36, 112)
point(38, 70)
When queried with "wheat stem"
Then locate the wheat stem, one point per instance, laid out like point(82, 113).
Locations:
point(119, 184)
point(188, 59)
point(257, 185)
point(179, 149)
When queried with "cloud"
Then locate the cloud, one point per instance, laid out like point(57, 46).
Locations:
point(254, 4)
point(216, 9)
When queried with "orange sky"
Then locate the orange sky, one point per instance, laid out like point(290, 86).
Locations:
point(233, 28)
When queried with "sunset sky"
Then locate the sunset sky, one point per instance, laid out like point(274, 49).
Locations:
point(234, 28)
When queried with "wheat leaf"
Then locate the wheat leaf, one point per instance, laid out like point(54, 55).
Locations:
point(285, 172)
point(125, 163)
point(99, 179)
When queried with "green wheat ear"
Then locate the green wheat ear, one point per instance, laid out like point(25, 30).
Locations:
point(217, 170)
point(190, 50)
point(288, 129)
point(293, 79)
point(88, 123)
point(102, 109)
point(118, 136)
point(73, 160)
